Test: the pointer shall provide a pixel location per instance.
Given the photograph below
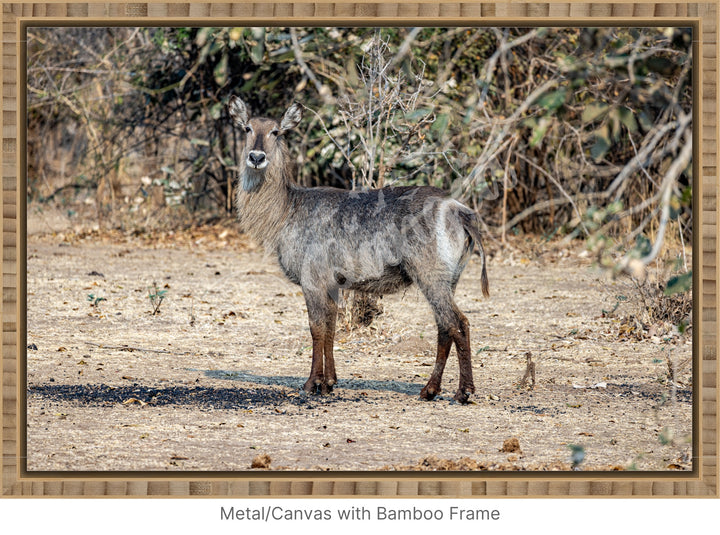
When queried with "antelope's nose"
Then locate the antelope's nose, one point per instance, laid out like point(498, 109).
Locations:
point(256, 159)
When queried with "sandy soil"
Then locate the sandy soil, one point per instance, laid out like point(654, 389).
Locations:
point(213, 381)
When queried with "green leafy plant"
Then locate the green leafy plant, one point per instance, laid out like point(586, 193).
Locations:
point(679, 284)
point(95, 301)
point(618, 299)
point(156, 297)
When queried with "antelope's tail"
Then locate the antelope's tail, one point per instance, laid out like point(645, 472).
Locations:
point(471, 224)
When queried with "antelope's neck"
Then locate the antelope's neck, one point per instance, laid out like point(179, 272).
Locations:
point(264, 211)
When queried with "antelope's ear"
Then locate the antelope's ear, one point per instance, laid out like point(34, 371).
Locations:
point(238, 112)
point(291, 118)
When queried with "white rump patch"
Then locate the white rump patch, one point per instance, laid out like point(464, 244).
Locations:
point(449, 235)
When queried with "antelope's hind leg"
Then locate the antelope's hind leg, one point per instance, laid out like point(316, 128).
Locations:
point(461, 337)
point(453, 328)
point(444, 344)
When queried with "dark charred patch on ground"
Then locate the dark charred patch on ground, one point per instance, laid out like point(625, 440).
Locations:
point(535, 409)
point(658, 393)
point(202, 398)
point(655, 392)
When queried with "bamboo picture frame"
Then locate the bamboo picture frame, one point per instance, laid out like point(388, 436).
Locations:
point(700, 482)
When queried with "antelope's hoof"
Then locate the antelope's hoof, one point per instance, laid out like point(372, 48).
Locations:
point(463, 394)
point(429, 392)
point(312, 386)
point(317, 387)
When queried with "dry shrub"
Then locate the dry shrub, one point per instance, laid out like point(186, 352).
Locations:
point(644, 310)
point(658, 313)
point(360, 310)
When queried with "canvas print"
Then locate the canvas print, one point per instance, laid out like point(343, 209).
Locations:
point(359, 249)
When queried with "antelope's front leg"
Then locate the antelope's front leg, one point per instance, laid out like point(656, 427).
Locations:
point(329, 371)
point(317, 379)
point(322, 312)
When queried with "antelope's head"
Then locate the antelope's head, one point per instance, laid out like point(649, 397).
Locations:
point(265, 150)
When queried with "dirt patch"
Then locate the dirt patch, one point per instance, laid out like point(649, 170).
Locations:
point(213, 381)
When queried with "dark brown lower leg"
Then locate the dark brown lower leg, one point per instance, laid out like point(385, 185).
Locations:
point(461, 337)
point(330, 375)
point(453, 327)
point(316, 379)
point(432, 388)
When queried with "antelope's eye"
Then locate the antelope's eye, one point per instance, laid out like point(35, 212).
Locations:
point(248, 129)
point(275, 133)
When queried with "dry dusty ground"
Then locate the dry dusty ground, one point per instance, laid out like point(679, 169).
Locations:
point(212, 382)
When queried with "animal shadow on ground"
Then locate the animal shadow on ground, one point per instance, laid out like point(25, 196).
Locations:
point(410, 389)
point(217, 398)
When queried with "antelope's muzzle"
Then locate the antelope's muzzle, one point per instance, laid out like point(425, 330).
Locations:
point(257, 159)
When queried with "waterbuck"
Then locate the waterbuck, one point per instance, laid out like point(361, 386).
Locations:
point(376, 241)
